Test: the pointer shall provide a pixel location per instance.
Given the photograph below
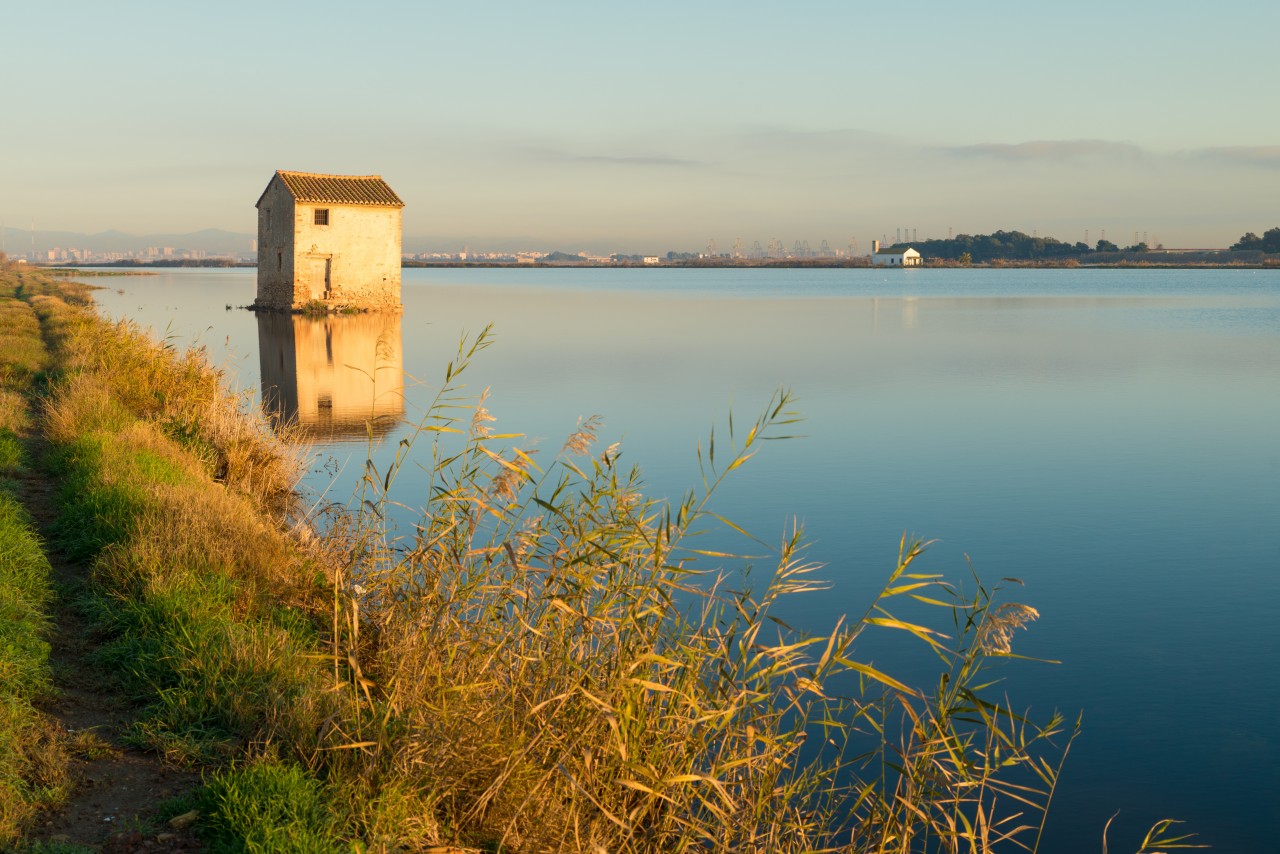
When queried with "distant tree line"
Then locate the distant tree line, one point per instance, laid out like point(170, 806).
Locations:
point(1268, 242)
point(1009, 245)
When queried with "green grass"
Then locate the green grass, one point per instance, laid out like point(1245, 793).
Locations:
point(32, 764)
point(179, 588)
point(32, 756)
point(53, 848)
point(24, 593)
point(104, 488)
point(320, 308)
point(93, 515)
point(269, 807)
point(12, 455)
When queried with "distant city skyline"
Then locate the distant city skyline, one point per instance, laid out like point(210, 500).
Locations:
point(61, 247)
point(604, 128)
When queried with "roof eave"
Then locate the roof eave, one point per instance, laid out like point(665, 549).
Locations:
point(258, 204)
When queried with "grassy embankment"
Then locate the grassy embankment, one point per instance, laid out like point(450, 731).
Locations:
point(32, 758)
point(176, 499)
point(536, 666)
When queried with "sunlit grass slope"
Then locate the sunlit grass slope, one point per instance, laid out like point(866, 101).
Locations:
point(32, 759)
point(178, 501)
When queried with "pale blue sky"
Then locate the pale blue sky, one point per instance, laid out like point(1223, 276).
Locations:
point(654, 126)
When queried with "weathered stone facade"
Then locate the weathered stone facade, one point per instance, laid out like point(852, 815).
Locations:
point(329, 242)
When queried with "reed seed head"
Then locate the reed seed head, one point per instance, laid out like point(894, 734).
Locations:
point(996, 634)
point(580, 441)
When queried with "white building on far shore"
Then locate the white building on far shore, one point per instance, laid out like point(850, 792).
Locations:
point(894, 258)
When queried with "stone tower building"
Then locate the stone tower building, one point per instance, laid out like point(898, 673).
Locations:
point(328, 242)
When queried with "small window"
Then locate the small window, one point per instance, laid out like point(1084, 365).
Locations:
point(322, 216)
point(279, 261)
point(266, 213)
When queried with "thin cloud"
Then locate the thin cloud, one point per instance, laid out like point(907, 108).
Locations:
point(1051, 149)
point(772, 137)
point(639, 160)
point(1249, 155)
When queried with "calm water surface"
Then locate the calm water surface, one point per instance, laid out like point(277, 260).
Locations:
point(1112, 438)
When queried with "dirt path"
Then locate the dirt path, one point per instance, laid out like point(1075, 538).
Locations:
point(118, 790)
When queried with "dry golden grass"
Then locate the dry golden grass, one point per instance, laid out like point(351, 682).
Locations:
point(83, 404)
point(22, 356)
point(33, 767)
point(14, 413)
point(129, 376)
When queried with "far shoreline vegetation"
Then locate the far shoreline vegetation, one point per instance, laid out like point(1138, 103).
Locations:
point(1001, 249)
point(516, 674)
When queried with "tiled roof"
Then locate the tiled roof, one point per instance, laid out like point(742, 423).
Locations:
point(340, 189)
point(894, 251)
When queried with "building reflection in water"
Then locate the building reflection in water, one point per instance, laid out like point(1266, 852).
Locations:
point(334, 376)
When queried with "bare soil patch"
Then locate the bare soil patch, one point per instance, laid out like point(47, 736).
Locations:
point(119, 791)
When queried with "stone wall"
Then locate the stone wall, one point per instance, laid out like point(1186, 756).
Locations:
point(275, 247)
point(361, 248)
point(353, 261)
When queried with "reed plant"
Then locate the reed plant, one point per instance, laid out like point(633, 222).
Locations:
point(541, 663)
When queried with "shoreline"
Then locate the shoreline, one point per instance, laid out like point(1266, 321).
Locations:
point(833, 264)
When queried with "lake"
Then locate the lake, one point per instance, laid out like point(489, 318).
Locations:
point(1109, 437)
